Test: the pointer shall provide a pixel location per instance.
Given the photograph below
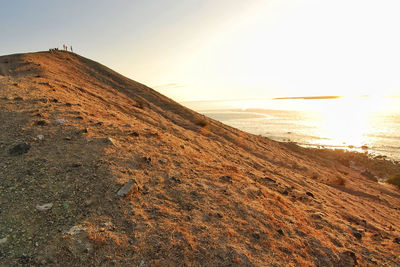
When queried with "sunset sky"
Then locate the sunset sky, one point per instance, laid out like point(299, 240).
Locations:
point(224, 49)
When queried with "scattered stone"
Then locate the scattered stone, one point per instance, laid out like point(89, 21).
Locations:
point(316, 216)
point(60, 121)
point(256, 235)
point(397, 240)
point(76, 165)
point(182, 146)
point(67, 138)
point(41, 123)
point(99, 123)
point(40, 136)
point(357, 235)
point(280, 231)
point(176, 180)
point(78, 118)
point(361, 230)
point(163, 161)
point(74, 230)
point(268, 180)
point(18, 98)
point(348, 258)
point(3, 240)
point(147, 160)
point(364, 147)
point(124, 190)
point(133, 133)
point(89, 201)
point(310, 194)
point(110, 141)
point(226, 178)
point(19, 149)
point(44, 207)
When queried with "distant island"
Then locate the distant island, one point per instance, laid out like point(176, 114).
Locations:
point(309, 97)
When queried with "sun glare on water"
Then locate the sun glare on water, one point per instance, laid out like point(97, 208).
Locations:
point(347, 121)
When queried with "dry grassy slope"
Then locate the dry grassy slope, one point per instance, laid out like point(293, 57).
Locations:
point(206, 194)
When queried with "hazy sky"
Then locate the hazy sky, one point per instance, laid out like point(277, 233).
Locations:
point(222, 49)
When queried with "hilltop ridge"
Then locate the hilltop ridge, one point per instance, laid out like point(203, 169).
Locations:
point(97, 169)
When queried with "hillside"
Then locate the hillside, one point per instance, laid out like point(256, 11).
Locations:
point(73, 133)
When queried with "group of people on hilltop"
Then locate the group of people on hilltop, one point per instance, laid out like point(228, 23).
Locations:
point(65, 48)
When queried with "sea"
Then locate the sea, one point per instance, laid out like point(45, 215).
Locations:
point(360, 123)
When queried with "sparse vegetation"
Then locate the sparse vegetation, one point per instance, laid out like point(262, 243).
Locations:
point(394, 180)
point(202, 122)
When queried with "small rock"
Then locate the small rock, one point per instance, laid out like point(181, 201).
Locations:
point(397, 240)
point(19, 149)
point(348, 258)
point(316, 216)
point(182, 146)
point(3, 240)
point(76, 165)
point(110, 141)
point(133, 133)
point(89, 202)
point(60, 121)
point(310, 194)
point(163, 161)
point(357, 235)
point(147, 160)
point(226, 178)
point(268, 180)
point(44, 207)
point(40, 136)
point(256, 235)
point(124, 190)
point(41, 123)
point(280, 232)
point(67, 138)
point(74, 230)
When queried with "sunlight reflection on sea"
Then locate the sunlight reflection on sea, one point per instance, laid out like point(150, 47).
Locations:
point(352, 123)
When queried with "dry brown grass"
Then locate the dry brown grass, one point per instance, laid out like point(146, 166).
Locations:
point(182, 211)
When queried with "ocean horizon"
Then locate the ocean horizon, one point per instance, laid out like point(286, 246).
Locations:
point(363, 124)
